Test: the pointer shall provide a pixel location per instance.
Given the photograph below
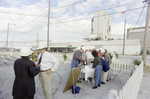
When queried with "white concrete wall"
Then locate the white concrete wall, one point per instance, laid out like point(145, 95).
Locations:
point(138, 33)
point(129, 50)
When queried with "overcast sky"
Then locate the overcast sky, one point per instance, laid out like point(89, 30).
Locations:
point(70, 19)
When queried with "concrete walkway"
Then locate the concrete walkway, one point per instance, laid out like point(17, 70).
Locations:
point(144, 92)
point(58, 83)
point(59, 80)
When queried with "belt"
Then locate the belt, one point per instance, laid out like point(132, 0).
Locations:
point(45, 70)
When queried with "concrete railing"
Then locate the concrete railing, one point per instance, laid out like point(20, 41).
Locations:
point(131, 88)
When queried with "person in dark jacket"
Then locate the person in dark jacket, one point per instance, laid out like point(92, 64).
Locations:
point(98, 69)
point(108, 60)
point(105, 65)
point(25, 70)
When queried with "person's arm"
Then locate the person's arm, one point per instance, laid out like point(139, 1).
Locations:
point(94, 63)
point(33, 69)
point(106, 57)
point(55, 63)
point(77, 55)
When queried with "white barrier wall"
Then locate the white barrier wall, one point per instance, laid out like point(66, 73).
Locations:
point(131, 88)
point(129, 50)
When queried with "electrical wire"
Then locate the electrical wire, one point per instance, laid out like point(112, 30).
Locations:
point(102, 15)
point(26, 14)
point(77, 20)
point(31, 20)
point(13, 19)
point(20, 5)
point(137, 20)
point(70, 25)
point(108, 8)
point(97, 16)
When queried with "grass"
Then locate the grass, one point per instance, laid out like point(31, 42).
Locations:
point(146, 69)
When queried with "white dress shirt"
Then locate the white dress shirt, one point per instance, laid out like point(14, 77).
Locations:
point(89, 56)
point(48, 61)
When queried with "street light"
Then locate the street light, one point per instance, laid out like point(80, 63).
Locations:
point(7, 35)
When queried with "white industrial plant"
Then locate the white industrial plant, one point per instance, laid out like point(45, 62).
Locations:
point(100, 37)
point(138, 33)
point(100, 26)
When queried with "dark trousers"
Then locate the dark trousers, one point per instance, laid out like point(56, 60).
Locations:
point(32, 97)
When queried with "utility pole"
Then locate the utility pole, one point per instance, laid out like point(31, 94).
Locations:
point(7, 37)
point(124, 37)
point(37, 39)
point(146, 33)
point(48, 27)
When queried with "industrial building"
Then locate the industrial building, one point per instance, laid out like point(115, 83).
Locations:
point(100, 26)
point(138, 33)
point(99, 38)
point(132, 46)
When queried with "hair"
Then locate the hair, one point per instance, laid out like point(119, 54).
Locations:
point(94, 53)
point(105, 50)
point(25, 56)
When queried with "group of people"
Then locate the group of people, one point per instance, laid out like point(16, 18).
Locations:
point(25, 70)
point(101, 62)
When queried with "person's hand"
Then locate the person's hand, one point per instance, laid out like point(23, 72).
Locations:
point(83, 58)
point(49, 71)
point(39, 65)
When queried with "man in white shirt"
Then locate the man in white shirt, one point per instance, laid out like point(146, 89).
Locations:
point(48, 64)
point(89, 56)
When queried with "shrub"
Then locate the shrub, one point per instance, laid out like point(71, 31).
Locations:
point(137, 62)
point(116, 54)
point(110, 55)
point(65, 57)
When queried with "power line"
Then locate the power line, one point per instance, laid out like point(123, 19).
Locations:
point(47, 11)
point(83, 19)
point(67, 5)
point(28, 22)
point(8, 12)
point(69, 24)
point(102, 15)
point(31, 20)
point(26, 14)
point(42, 9)
point(13, 19)
point(110, 8)
point(20, 5)
point(74, 27)
point(138, 19)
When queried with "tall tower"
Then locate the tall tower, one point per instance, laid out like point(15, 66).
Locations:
point(100, 26)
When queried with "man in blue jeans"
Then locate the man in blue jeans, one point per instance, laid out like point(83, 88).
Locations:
point(77, 57)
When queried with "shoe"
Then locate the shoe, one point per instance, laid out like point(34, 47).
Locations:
point(94, 87)
point(107, 80)
point(99, 85)
point(90, 79)
point(78, 81)
point(102, 83)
